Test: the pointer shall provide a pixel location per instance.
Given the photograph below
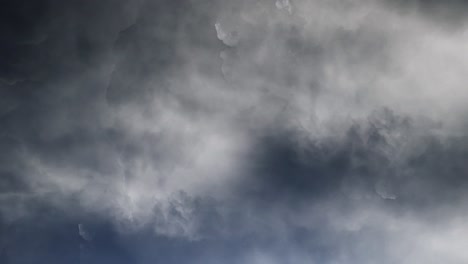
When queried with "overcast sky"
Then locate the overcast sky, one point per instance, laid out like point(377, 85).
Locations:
point(233, 132)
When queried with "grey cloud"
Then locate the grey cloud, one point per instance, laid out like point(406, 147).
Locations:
point(246, 131)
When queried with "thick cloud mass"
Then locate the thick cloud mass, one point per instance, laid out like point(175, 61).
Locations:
point(258, 132)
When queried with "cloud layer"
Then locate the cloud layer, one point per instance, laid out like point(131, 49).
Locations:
point(233, 131)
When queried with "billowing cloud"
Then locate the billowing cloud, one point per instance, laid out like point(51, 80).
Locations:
point(238, 132)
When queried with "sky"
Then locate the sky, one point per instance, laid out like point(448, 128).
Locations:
point(233, 132)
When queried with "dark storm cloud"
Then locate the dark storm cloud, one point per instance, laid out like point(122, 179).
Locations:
point(372, 155)
point(235, 132)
